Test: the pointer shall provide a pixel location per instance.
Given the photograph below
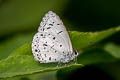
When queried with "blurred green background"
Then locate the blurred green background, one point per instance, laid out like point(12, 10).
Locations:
point(19, 20)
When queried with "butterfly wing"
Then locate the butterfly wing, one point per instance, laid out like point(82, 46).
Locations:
point(52, 23)
point(53, 41)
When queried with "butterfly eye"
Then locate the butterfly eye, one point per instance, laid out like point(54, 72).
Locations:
point(76, 53)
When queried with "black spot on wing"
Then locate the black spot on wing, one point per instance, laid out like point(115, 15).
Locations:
point(39, 58)
point(45, 45)
point(52, 46)
point(43, 29)
point(37, 54)
point(55, 51)
point(54, 38)
point(60, 45)
point(48, 27)
point(59, 32)
point(36, 50)
point(67, 54)
point(49, 58)
point(41, 35)
point(51, 24)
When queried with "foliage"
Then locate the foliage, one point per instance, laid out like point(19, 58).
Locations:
point(98, 45)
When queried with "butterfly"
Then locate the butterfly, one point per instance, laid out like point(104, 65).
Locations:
point(52, 43)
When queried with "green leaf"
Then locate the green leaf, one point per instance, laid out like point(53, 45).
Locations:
point(36, 76)
point(113, 49)
point(25, 64)
point(107, 53)
point(9, 45)
point(82, 40)
point(23, 50)
point(95, 56)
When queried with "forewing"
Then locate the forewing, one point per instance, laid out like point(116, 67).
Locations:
point(51, 23)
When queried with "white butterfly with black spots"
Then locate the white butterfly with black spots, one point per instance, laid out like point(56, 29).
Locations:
point(52, 43)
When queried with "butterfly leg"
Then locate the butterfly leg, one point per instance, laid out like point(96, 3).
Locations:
point(75, 60)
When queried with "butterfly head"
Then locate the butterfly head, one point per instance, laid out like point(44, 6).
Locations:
point(75, 52)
